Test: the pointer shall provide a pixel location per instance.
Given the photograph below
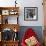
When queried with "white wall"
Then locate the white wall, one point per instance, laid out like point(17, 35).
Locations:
point(26, 3)
point(31, 3)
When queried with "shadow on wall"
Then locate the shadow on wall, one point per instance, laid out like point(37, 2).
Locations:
point(37, 29)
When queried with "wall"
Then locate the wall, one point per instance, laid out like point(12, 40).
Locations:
point(26, 3)
point(31, 3)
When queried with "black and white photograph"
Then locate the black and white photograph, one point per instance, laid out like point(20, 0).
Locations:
point(30, 13)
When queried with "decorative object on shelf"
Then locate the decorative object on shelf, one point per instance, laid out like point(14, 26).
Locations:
point(15, 3)
point(6, 21)
point(7, 34)
point(13, 12)
point(15, 30)
point(15, 34)
point(30, 13)
point(15, 37)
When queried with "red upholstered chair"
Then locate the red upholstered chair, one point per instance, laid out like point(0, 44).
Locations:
point(29, 33)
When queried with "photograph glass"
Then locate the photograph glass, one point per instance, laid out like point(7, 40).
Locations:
point(30, 13)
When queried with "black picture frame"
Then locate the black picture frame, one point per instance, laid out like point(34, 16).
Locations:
point(30, 13)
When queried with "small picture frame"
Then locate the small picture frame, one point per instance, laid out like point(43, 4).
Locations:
point(30, 13)
point(5, 12)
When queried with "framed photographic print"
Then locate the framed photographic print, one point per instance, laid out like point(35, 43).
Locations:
point(30, 13)
point(5, 12)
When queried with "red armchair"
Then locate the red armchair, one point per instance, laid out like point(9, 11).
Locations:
point(28, 34)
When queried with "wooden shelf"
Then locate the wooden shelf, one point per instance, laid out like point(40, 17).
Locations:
point(9, 8)
point(9, 43)
point(4, 13)
point(11, 26)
